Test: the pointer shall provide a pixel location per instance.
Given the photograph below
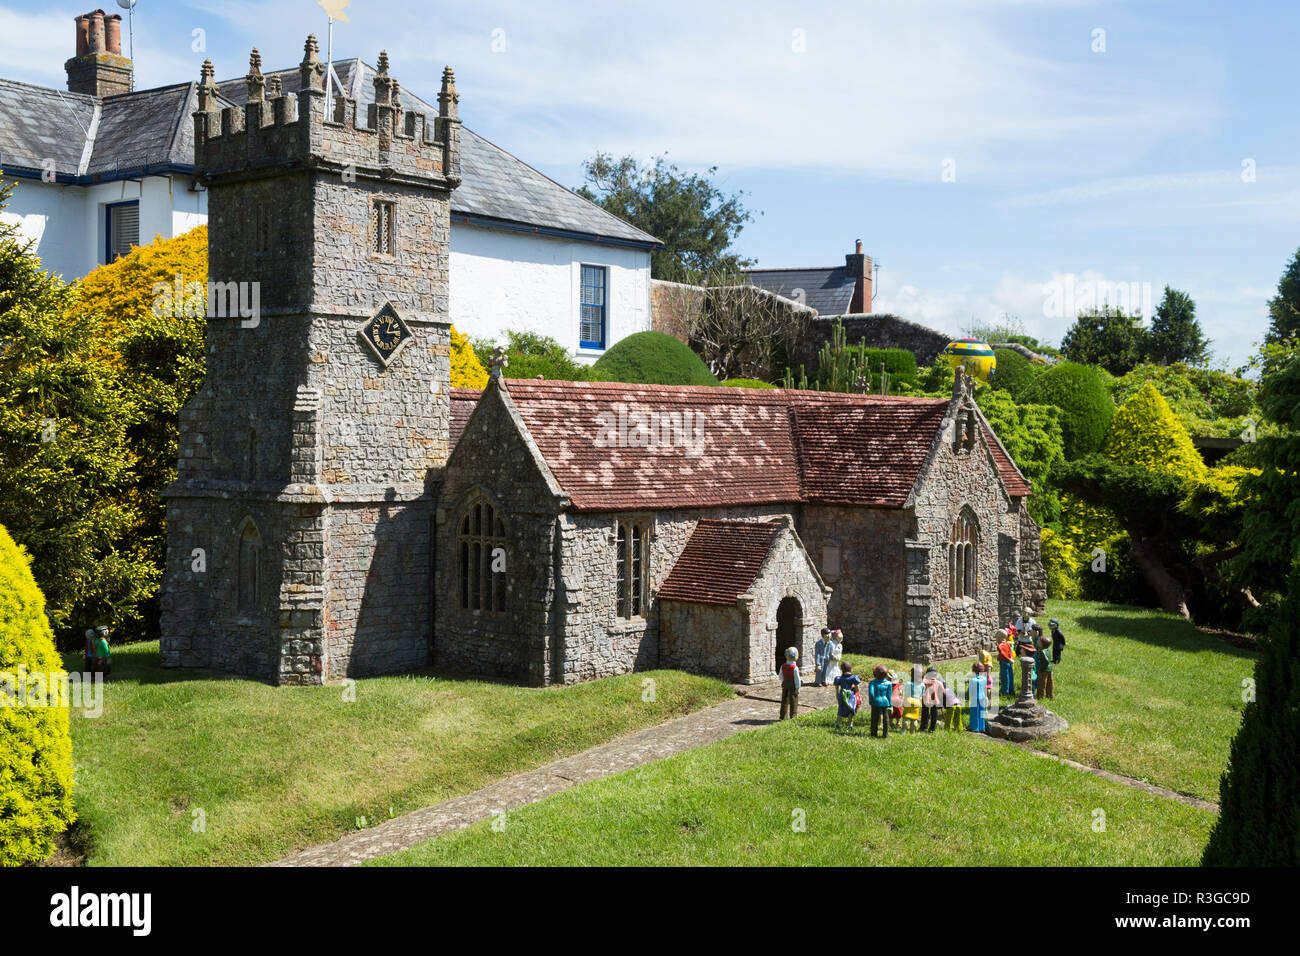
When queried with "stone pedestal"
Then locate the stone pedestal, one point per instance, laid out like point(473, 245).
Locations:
point(1026, 719)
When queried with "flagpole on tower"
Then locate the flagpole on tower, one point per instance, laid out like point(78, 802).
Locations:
point(334, 10)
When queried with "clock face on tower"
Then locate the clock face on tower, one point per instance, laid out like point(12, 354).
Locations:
point(386, 333)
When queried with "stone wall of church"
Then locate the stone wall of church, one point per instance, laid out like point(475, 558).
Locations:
point(493, 465)
point(953, 480)
point(596, 641)
point(868, 601)
point(710, 639)
point(786, 574)
point(1032, 573)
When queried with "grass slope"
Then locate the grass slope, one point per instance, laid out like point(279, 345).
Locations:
point(1147, 695)
point(277, 769)
point(914, 799)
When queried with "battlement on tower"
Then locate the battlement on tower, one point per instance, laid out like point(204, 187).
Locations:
point(300, 129)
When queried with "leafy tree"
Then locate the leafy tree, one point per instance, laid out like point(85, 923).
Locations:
point(1284, 308)
point(152, 303)
point(1107, 337)
point(1175, 334)
point(653, 358)
point(466, 369)
point(1031, 435)
point(689, 213)
point(35, 748)
point(1009, 329)
point(67, 480)
point(531, 355)
point(1081, 394)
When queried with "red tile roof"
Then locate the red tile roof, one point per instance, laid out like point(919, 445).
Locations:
point(720, 561)
point(725, 446)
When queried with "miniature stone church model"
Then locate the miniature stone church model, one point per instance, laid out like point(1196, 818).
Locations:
point(341, 511)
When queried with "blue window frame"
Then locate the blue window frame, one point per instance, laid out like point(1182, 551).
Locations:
point(121, 228)
point(591, 332)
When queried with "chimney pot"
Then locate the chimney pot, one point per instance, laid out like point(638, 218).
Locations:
point(97, 32)
point(113, 34)
point(83, 34)
point(858, 247)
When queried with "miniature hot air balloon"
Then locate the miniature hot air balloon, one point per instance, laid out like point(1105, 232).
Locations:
point(974, 355)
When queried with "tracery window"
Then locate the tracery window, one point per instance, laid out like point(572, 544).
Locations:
point(963, 549)
point(482, 540)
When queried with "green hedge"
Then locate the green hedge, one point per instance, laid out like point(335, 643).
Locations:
point(1080, 392)
point(747, 383)
point(1014, 373)
point(653, 358)
point(35, 748)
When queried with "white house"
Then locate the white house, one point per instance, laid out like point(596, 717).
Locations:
point(100, 168)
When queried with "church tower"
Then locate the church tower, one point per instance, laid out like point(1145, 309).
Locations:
point(299, 526)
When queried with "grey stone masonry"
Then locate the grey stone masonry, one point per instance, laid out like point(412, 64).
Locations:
point(311, 459)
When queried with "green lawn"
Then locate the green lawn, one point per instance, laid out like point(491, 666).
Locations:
point(1146, 694)
point(273, 770)
point(916, 799)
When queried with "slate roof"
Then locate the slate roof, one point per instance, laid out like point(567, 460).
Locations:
point(495, 186)
point(720, 562)
point(829, 291)
point(131, 131)
point(746, 447)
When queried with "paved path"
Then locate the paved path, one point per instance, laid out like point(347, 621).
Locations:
point(757, 708)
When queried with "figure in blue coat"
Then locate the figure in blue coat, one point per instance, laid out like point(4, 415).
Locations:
point(821, 658)
point(977, 698)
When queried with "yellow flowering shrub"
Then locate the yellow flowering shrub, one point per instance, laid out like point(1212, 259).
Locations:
point(466, 370)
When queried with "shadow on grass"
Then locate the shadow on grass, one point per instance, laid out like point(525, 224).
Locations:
point(1171, 632)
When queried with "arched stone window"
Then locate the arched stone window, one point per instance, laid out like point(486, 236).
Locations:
point(631, 563)
point(963, 561)
point(482, 564)
point(248, 560)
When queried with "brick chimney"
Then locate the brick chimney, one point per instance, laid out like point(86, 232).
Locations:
point(99, 68)
point(858, 267)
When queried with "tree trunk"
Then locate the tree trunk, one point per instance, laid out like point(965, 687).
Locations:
point(1173, 597)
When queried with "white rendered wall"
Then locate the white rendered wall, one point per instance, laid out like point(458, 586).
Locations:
point(506, 281)
point(67, 222)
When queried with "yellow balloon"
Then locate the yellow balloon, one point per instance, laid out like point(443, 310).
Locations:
point(973, 355)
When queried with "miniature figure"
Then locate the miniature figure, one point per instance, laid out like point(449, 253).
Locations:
point(952, 715)
point(1058, 640)
point(846, 694)
point(932, 699)
point(790, 684)
point(1043, 660)
point(896, 701)
point(1006, 664)
point(881, 693)
point(977, 697)
point(819, 657)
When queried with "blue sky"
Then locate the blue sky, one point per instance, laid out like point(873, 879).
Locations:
point(982, 150)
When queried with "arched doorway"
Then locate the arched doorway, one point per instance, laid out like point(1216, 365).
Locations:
point(789, 627)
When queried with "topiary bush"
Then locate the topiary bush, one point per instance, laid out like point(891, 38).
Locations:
point(1146, 432)
point(1061, 562)
point(1014, 373)
point(1080, 392)
point(35, 749)
point(747, 383)
point(653, 358)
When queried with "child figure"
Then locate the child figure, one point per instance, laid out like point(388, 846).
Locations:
point(952, 716)
point(1043, 661)
point(881, 694)
point(932, 699)
point(790, 684)
point(1058, 640)
point(1006, 664)
point(977, 697)
point(896, 701)
point(912, 714)
point(103, 657)
point(846, 694)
